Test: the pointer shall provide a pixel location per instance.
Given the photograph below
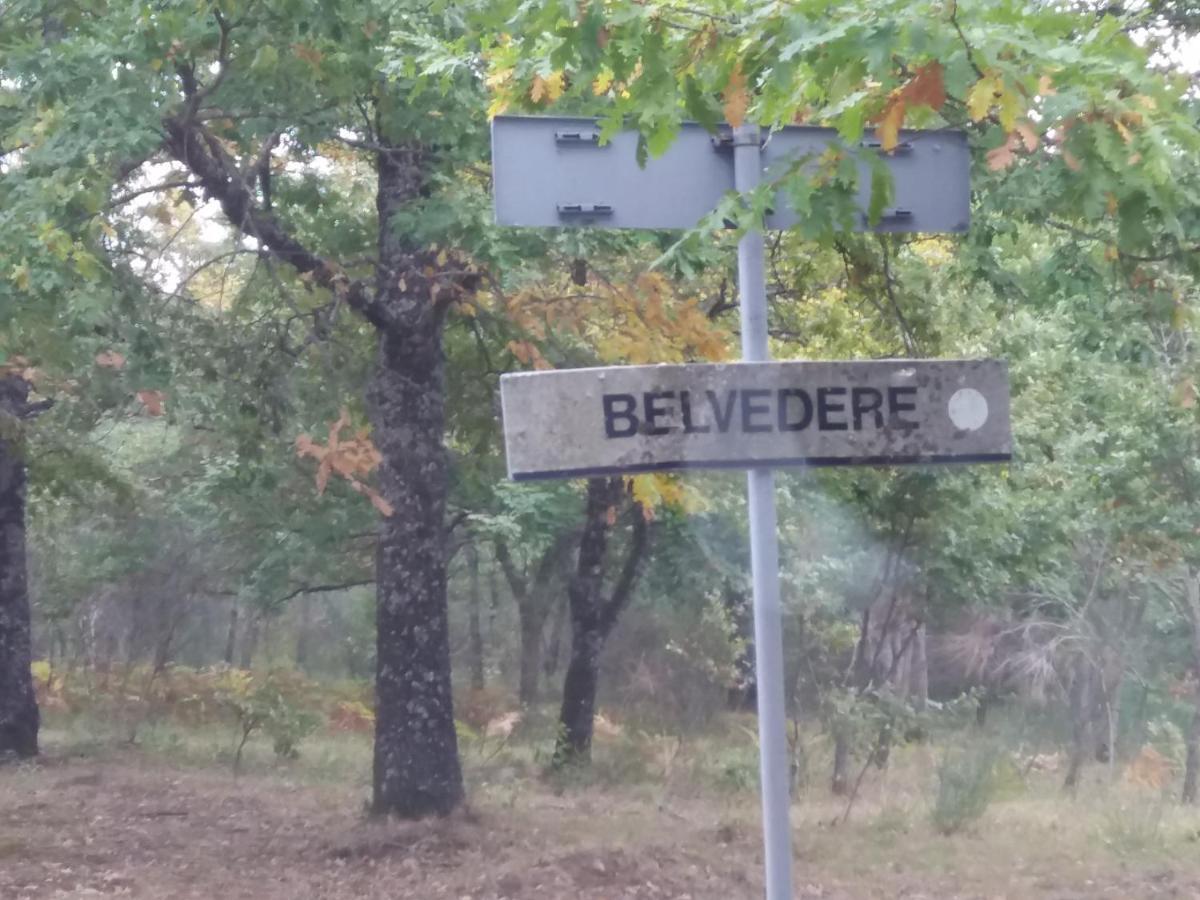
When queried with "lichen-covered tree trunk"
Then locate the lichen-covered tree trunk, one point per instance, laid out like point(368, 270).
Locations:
point(416, 764)
point(19, 719)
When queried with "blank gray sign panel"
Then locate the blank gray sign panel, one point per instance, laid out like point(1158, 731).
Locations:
point(553, 171)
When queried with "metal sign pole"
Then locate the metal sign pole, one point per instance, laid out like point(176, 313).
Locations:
point(764, 551)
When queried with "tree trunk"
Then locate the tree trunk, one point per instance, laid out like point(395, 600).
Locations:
point(231, 634)
point(19, 718)
point(918, 684)
point(304, 633)
point(592, 619)
point(416, 764)
point(553, 652)
point(416, 769)
point(1191, 770)
point(532, 626)
point(533, 608)
point(1081, 721)
point(840, 783)
point(474, 632)
point(249, 642)
point(1192, 764)
point(743, 696)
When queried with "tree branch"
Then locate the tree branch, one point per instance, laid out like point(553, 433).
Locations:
point(323, 589)
point(190, 144)
point(623, 590)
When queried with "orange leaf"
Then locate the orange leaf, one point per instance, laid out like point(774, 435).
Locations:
point(323, 471)
point(736, 97)
point(1004, 156)
point(1072, 161)
point(152, 402)
point(1028, 136)
point(888, 129)
point(927, 87)
point(110, 359)
point(309, 54)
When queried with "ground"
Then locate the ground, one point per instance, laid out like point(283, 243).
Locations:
point(128, 822)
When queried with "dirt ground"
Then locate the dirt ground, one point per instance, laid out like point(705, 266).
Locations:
point(140, 828)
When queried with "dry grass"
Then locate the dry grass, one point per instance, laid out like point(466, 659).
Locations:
point(123, 822)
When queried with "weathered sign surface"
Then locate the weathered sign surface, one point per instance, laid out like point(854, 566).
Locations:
point(646, 418)
point(553, 171)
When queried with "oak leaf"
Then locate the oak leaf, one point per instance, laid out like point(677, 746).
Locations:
point(736, 98)
point(152, 401)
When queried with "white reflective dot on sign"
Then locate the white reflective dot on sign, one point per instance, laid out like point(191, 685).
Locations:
point(968, 409)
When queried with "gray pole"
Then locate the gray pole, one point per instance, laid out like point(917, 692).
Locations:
point(764, 551)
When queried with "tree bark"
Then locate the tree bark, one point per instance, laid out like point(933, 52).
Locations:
point(840, 783)
point(1191, 769)
point(918, 684)
point(304, 633)
point(249, 642)
point(416, 764)
point(1081, 721)
point(19, 719)
point(592, 618)
point(553, 651)
point(231, 634)
point(533, 609)
point(474, 631)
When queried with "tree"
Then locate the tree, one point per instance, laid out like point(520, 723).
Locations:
point(18, 708)
point(221, 97)
point(593, 615)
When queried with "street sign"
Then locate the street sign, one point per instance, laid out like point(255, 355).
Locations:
point(552, 171)
point(578, 422)
point(555, 171)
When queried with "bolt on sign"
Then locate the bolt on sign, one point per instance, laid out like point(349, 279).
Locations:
point(578, 422)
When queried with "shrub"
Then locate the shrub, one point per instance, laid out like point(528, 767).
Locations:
point(967, 784)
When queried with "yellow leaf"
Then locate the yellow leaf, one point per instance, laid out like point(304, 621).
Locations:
point(980, 97)
point(20, 276)
point(1111, 203)
point(498, 77)
point(1009, 103)
point(736, 98)
point(602, 83)
point(888, 129)
point(554, 86)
